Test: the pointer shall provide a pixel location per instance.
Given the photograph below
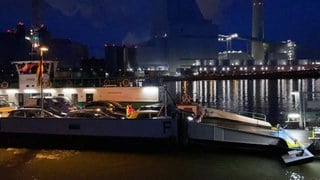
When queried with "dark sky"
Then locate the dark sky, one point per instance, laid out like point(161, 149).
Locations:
point(96, 22)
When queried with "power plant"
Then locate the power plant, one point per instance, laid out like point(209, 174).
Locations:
point(180, 37)
point(261, 52)
point(181, 40)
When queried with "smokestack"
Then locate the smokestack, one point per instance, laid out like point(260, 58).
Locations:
point(37, 6)
point(257, 50)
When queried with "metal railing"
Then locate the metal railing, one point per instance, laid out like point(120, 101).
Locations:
point(254, 115)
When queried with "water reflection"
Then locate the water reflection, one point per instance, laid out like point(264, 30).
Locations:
point(272, 97)
point(294, 176)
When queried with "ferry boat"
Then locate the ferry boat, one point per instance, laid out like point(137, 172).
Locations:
point(191, 124)
point(17, 131)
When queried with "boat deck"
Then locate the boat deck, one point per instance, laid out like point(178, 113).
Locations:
point(234, 122)
point(290, 135)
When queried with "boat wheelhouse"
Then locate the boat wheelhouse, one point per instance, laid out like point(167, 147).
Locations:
point(27, 71)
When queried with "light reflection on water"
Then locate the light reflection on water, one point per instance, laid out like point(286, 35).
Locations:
point(71, 164)
point(272, 97)
point(294, 175)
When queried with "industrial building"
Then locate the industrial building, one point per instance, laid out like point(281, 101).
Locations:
point(260, 51)
point(120, 60)
point(180, 37)
point(181, 40)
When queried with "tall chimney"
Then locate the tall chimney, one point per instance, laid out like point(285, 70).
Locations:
point(257, 50)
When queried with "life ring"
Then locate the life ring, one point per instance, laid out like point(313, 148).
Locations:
point(4, 84)
point(47, 84)
point(125, 82)
point(69, 83)
point(186, 98)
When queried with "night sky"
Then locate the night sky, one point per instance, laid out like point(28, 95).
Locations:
point(96, 22)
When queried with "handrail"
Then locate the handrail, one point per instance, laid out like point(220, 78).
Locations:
point(254, 115)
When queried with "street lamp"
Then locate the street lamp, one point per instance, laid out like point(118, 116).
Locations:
point(40, 75)
point(43, 49)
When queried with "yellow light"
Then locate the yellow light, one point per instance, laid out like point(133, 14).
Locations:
point(43, 49)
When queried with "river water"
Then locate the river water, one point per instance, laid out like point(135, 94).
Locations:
point(274, 98)
point(72, 164)
point(271, 97)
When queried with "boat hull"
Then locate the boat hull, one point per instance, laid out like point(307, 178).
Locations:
point(86, 133)
point(146, 134)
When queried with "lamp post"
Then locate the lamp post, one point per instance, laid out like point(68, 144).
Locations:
point(42, 50)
